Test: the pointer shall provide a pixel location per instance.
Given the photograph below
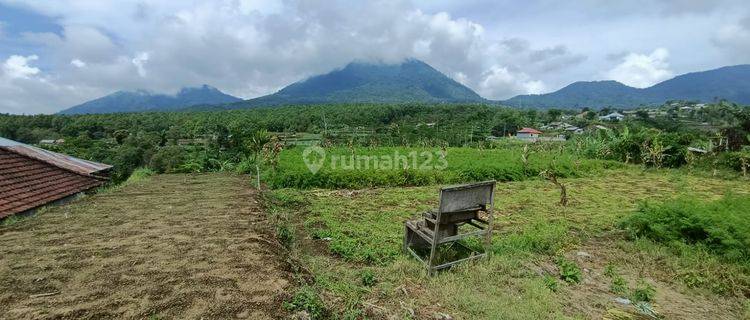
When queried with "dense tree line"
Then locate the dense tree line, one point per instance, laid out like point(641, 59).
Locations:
point(217, 140)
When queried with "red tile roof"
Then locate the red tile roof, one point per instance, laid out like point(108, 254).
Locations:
point(529, 130)
point(27, 183)
point(57, 159)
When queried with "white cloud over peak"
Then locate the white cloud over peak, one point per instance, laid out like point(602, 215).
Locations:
point(139, 61)
point(642, 70)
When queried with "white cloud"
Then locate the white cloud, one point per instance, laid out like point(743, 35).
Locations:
point(26, 89)
point(252, 48)
point(499, 81)
point(139, 61)
point(18, 67)
point(535, 87)
point(642, 70)
point(77, 63)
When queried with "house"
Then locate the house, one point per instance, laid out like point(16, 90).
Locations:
point(32, 177)
point(528, 133)
point(614, 116)
point(574, 129)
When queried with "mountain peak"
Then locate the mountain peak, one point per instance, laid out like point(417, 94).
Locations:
point(410, 80)
point(145, 100)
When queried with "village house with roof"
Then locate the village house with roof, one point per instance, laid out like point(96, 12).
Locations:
point(31, 177)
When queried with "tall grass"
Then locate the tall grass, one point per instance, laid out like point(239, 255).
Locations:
point(461, 165)
point(721, 226)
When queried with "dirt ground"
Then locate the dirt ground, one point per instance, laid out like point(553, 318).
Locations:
point(173, 246)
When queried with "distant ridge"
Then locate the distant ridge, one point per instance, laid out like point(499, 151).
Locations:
point(731, 83)
point(413, 81)
point(142, 100)
point(361, 82)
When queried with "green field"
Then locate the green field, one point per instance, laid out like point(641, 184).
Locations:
point(548, 261)
point(356, 167)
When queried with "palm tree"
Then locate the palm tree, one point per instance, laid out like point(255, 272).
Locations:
point(257, 141)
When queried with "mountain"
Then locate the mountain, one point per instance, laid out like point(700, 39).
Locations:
point(142, 100)
point(358, 82)
point(731, 83)
point(582, 94)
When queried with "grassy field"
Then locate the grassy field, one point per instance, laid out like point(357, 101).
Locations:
point(401, 166)
point(548, 261)
point(160, 247)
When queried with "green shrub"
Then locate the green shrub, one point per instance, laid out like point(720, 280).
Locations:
point(167, 159)
point(619, 285)
point(540, 237)
point(569, 271)
point(551, 283)
point(245, 166)
point(735, 160)
point(644, 292)
point(368, 278)
point(307, 299)
point(609, 270)
point(722, 226)
point(140, 174)
point(285, 234)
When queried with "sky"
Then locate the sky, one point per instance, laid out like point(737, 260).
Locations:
point(56, 54)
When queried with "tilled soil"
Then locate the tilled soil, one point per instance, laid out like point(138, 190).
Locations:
point(173, 246)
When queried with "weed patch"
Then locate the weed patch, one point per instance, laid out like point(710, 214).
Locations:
point(307, 299)
point(722, 226)
point(570, 272)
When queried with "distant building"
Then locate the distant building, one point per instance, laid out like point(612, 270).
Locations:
point(32, 177)
point(528, 133)
point(614, 116)
point(52, 141)
point(574, 129)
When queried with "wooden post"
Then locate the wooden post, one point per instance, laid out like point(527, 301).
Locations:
point(435, 237)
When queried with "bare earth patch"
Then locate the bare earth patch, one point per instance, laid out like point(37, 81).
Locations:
point(174, 246)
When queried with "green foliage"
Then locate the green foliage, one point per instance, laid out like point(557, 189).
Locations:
point(722, 226)
point(538, 237)
point(637, 145)
point(644, 292)
point(570, 272)
point(368, 278)
point(609, 270)
point(619, 285)
point(550, 282)
point(307, 299)
point(355, 168)
point(140, 174)
point(285, 234)
point(739, 161)
point(170, 159)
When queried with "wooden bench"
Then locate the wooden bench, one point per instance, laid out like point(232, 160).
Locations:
point(459, 206)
